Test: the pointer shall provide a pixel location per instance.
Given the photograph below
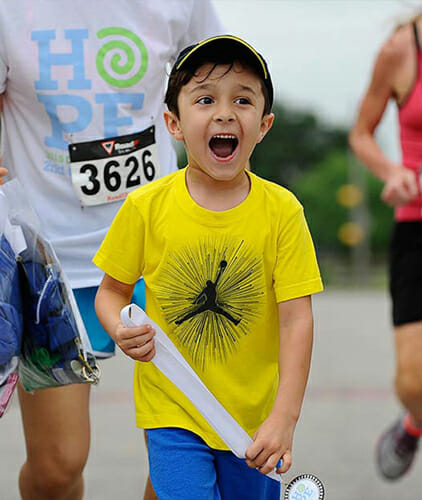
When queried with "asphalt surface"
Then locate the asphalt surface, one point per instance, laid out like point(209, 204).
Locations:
point(349, 401)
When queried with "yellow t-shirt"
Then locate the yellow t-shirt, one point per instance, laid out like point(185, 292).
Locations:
point(212, 283)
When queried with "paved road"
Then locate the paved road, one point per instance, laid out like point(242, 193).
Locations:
point(348, 402)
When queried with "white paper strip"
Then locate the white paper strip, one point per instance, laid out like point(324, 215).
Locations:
point(15, 237)
point(13, 234)
point(174, 366)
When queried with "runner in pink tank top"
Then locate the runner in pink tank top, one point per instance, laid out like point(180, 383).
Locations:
point(410, 120)
point(397, 75)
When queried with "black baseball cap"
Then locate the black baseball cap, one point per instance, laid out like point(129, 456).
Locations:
point(225, 48)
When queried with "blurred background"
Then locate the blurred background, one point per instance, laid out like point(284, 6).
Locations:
point(320, 53)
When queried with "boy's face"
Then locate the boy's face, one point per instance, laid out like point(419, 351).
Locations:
point(220, 119)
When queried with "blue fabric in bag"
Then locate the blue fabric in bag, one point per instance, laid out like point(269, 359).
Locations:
point(48, 322)
point(11, 321)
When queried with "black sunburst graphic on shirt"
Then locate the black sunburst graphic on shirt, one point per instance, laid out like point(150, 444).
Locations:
point(211, 294)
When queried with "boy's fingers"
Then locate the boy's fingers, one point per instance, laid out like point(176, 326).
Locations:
point(270, 464)
point(253, 451)
point(149, 357)
point(145, 353)
point(130, 332)
point(287, 462)
point(145, 349)
point(261, 459)
point(139, 340)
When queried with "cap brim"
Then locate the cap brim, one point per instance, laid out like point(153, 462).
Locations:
point(224, 48)
point(227, 44)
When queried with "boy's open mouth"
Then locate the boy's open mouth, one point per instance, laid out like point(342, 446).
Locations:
point(223, 145)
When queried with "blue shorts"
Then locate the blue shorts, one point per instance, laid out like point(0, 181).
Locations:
point(102, 344)
point(183, 467)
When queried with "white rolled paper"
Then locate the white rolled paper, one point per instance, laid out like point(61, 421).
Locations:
point(174, 366)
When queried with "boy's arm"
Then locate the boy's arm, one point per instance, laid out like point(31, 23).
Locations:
point(274, 438)
point(135, 342)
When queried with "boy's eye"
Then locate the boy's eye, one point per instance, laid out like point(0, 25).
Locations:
point(204, 100)
point(242, 100)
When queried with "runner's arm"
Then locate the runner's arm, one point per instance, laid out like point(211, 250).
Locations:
point(362, 136)
point(400, 182)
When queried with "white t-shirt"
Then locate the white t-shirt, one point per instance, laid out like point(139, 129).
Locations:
point(78, 71)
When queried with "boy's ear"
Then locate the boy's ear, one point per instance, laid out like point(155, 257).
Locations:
point(266, 123)
point(173, 125)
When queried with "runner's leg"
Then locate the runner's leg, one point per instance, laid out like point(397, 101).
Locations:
point(398, 445)
point(408, 339)
point(57, 435)
point(406, 293)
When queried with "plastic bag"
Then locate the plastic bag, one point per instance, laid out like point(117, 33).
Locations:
point(55, 348)
point(11, 320)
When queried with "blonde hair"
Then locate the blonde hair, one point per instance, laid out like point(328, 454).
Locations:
point(408, 19)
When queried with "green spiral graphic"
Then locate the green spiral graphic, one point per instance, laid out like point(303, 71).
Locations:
point(116, 64)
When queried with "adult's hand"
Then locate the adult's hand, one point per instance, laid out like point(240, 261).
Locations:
point(400, 188)
point(3, 172)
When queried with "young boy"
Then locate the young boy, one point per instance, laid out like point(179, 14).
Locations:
point(229, 267)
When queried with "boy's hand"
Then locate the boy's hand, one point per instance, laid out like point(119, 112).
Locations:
point(272, 442)
point(137, 342)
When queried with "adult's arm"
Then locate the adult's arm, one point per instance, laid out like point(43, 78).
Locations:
point(400, 182)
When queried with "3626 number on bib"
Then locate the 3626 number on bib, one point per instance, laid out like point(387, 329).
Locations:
point(107, 170)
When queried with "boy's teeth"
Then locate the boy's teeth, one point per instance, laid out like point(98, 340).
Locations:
point(223, 145)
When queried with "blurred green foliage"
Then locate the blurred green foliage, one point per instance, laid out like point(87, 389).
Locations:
point(317, 190)
point(294, 145)
point(313, 160)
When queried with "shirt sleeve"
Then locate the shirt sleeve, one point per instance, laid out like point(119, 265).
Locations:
point(296, 272)
point(121, 253)
point(204, 23)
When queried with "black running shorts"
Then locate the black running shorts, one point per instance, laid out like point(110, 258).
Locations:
point(406, 272)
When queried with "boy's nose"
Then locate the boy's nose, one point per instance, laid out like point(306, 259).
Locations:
point(224, 117)
point(224, 114)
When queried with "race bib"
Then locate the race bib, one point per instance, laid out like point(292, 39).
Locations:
point(107, 170)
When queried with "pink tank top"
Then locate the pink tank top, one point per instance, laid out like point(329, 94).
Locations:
point(410, 120)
